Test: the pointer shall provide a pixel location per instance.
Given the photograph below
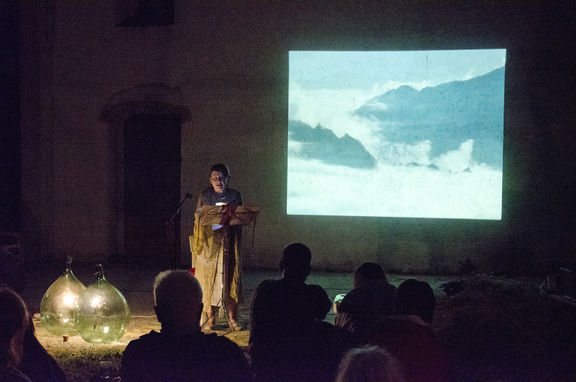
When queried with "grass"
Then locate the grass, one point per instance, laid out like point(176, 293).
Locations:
point(80, 360)
point(83, 363)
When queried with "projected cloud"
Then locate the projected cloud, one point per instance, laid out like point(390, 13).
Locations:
point(404, 134)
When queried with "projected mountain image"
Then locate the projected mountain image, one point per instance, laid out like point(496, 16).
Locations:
point(454, 112)
point(322, 144)
point(389, 140)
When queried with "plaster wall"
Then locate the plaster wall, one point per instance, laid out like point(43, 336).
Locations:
point(229, 60)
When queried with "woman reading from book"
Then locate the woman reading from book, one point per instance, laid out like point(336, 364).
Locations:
point(217, 249)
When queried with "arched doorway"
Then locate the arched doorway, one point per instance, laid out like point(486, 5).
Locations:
point(146, 124)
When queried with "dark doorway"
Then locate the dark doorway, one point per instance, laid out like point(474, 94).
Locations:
point(151, 189)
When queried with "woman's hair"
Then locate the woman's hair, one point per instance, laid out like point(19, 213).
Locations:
point(13, 323)
point(220, 167)
point(369, 364)
point(367, 272)
point(417, 298)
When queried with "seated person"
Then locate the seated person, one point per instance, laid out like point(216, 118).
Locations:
point(369, 363)
point(37, 363)
point(288, 339)
point(416, 298)
point(13, 322)
point(408, 335)
point(371, 299)
point(181, 352)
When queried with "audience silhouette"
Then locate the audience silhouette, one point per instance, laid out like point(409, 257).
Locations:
point(13, 323)
point(371, 299)
point(369, 364)
point(181, 352)
point(37, 363)
point(288, 339)
point(416, 298)
point(408, 335)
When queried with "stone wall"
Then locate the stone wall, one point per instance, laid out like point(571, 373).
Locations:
point(229, 62)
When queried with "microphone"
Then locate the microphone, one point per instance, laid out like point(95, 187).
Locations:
point(177, 212)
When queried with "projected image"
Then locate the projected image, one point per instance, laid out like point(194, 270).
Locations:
point(398, 134)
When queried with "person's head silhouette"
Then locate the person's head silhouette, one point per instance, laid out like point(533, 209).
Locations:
point(295, 263)
point(368, 272)
point(178, 301)
point(416, 298)
point(13, 323)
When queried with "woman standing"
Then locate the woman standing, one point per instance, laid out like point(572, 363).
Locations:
point(217, 250)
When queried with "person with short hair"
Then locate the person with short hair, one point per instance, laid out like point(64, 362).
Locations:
point(289, 341)
point(212, 259)
point(371, 299)
point(180, 351)
point(408, 335)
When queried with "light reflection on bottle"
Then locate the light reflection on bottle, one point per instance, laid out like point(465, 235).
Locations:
point(59, 302)
point(102, 313)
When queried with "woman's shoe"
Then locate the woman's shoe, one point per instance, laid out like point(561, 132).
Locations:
point(235, 326)
point(211, 323)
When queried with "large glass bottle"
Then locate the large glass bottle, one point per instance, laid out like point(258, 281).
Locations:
point(59, 303)
point(102, 313)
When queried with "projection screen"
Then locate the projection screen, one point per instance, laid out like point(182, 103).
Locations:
point(396, 133)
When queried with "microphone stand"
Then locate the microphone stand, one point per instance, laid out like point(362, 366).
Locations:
point(176, 214)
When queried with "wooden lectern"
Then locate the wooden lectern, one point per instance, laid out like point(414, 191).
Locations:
point(234, 215)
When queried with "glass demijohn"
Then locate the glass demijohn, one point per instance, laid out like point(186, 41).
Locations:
point(102, 313)
point(59, 302)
